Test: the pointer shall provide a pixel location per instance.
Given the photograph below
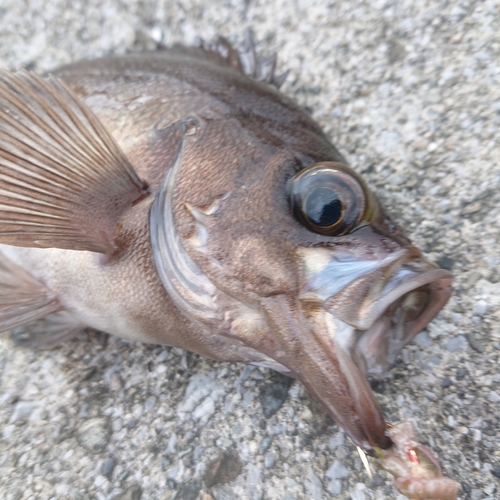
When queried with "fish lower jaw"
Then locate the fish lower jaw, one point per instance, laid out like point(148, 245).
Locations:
point(341, 333)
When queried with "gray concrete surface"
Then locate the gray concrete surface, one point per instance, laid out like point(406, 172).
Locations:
point(410, 93)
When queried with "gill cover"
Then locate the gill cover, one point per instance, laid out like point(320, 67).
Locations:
point(190, 289)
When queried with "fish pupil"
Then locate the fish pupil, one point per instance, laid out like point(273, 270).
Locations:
point(323, 207)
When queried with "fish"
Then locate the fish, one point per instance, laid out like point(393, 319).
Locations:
point(177, 197)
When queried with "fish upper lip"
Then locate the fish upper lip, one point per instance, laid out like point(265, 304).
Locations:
point(405, 281)
point(372, 285)
point(346, 270)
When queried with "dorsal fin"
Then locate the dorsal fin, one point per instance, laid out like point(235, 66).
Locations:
point(64, 182)
point(243, 58)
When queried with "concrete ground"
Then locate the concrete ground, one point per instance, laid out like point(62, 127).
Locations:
point(410, 93)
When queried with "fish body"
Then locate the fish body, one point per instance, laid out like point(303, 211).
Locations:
point(143, 101)
point(171, 198)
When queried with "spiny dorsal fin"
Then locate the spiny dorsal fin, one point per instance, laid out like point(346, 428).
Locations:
point(64, 182)
point(243, 58)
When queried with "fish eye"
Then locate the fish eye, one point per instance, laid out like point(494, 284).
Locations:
point(328, 198)
point(323, 207)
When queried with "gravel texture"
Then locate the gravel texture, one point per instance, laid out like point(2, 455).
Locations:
point(410, 93)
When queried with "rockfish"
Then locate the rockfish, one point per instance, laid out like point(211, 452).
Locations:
point(177, 197)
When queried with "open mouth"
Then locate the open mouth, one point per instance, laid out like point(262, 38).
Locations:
point(411, 300)
point(356, 315)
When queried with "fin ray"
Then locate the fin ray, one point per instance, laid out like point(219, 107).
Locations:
point(47, 332)
point(64, 182)
point(243, 58)
point(22, 298)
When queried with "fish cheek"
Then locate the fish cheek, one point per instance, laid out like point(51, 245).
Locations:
point(262, 267)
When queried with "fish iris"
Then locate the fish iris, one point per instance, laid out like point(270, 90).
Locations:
point(323, 207)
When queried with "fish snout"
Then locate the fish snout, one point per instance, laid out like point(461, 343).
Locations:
point(363, 307)
point(386, 300)
point(410, 298)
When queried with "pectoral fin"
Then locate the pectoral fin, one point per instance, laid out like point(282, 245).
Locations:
point(23, 299)
point(47, 332)
point(64, 182)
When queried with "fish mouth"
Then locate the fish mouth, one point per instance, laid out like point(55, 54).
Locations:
point(364, 326)
point(355, 314)
point(409, 300)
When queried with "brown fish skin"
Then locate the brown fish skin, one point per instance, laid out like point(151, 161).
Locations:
point(239, 142)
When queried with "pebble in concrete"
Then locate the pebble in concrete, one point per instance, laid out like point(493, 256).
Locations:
point(94, 434)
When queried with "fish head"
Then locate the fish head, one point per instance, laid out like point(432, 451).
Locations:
point(374, 286)
point(303, 267)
